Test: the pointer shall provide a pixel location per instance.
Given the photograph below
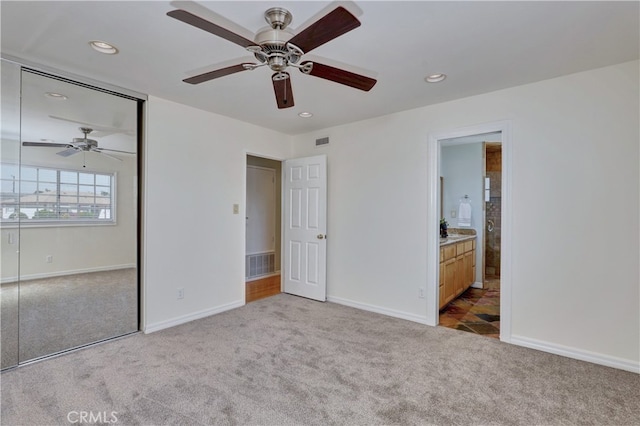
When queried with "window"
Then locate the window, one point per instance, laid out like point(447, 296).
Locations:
point(44, 195)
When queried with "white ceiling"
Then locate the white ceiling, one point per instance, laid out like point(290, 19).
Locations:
point(481, 46)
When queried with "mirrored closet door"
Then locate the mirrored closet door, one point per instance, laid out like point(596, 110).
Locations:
point(69, 218)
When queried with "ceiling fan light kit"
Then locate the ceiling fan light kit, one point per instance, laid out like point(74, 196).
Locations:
point(278, 48)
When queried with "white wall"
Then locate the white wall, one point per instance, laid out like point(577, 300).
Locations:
point(462, 172)
point(261, 210)
point(575, 195)
point(194, 172)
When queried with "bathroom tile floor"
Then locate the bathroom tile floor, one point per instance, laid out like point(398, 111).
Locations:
point(475, 311)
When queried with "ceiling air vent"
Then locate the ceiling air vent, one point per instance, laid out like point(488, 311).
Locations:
point(322, 141)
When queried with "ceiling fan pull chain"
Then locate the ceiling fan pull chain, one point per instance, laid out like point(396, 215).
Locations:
point(285, 93)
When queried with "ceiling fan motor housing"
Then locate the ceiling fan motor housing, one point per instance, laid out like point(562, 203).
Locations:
point(273, 41)
point(85, 144)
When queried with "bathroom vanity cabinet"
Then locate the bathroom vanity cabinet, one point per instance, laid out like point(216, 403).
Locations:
point(457, 267)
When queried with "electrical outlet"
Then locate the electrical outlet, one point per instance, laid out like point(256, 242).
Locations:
point(421, 292)
point(49, 259)
point(181, 293)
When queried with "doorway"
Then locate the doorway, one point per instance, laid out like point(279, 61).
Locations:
point(473, 134)
point(471, 166)
point(263, 228)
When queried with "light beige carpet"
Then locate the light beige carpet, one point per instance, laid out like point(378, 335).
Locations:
point(285, 360)
point(58, 313)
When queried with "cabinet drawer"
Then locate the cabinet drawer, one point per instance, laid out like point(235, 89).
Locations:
point(460, 249)
point(449, 252)
point(468, 245)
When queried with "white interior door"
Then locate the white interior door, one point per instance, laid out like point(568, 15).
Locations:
point(305, 227)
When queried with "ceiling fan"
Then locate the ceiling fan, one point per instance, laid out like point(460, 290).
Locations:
point(83, 144)
point(278, 48)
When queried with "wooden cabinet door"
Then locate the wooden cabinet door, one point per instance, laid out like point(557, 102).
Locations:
point(473, 265)
point(459, 275)
point(468, 269)
point(449, 280)
point(441, 295)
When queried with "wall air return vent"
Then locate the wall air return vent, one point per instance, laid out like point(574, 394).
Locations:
point(260, 264)
point(322, 141)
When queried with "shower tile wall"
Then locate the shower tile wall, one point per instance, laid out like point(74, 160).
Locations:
point(493, 209)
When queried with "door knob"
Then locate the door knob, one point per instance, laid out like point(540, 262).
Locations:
point(320, 236)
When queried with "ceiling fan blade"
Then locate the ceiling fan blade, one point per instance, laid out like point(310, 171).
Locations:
point(201, 78)
point(282, 89)
point(341, 76)
point(106, 155)
point(112, 150)
point(51, 145)
point(325, 29)
point(203, 24)
point(68, 152)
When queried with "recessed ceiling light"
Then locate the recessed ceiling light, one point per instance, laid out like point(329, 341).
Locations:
point(103, 47)
point(305, 114)
point(56, 95)
point(435, 78)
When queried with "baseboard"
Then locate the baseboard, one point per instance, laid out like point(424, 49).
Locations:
point(151, 328)
point(65, 273)
point(379, 310)
point(477, 284)
point(261, 277)
point(593, 357)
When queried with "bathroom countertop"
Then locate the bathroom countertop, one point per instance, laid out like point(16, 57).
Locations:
point(456, 238)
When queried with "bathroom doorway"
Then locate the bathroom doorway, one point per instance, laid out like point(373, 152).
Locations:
point(263, 224)
point(471, 174)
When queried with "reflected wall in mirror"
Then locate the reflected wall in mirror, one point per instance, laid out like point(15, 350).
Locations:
point(76, 212)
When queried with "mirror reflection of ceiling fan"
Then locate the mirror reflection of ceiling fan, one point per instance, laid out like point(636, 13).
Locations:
point(77, 145)
point(278, 48)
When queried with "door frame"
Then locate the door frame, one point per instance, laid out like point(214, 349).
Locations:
point(433, 217)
